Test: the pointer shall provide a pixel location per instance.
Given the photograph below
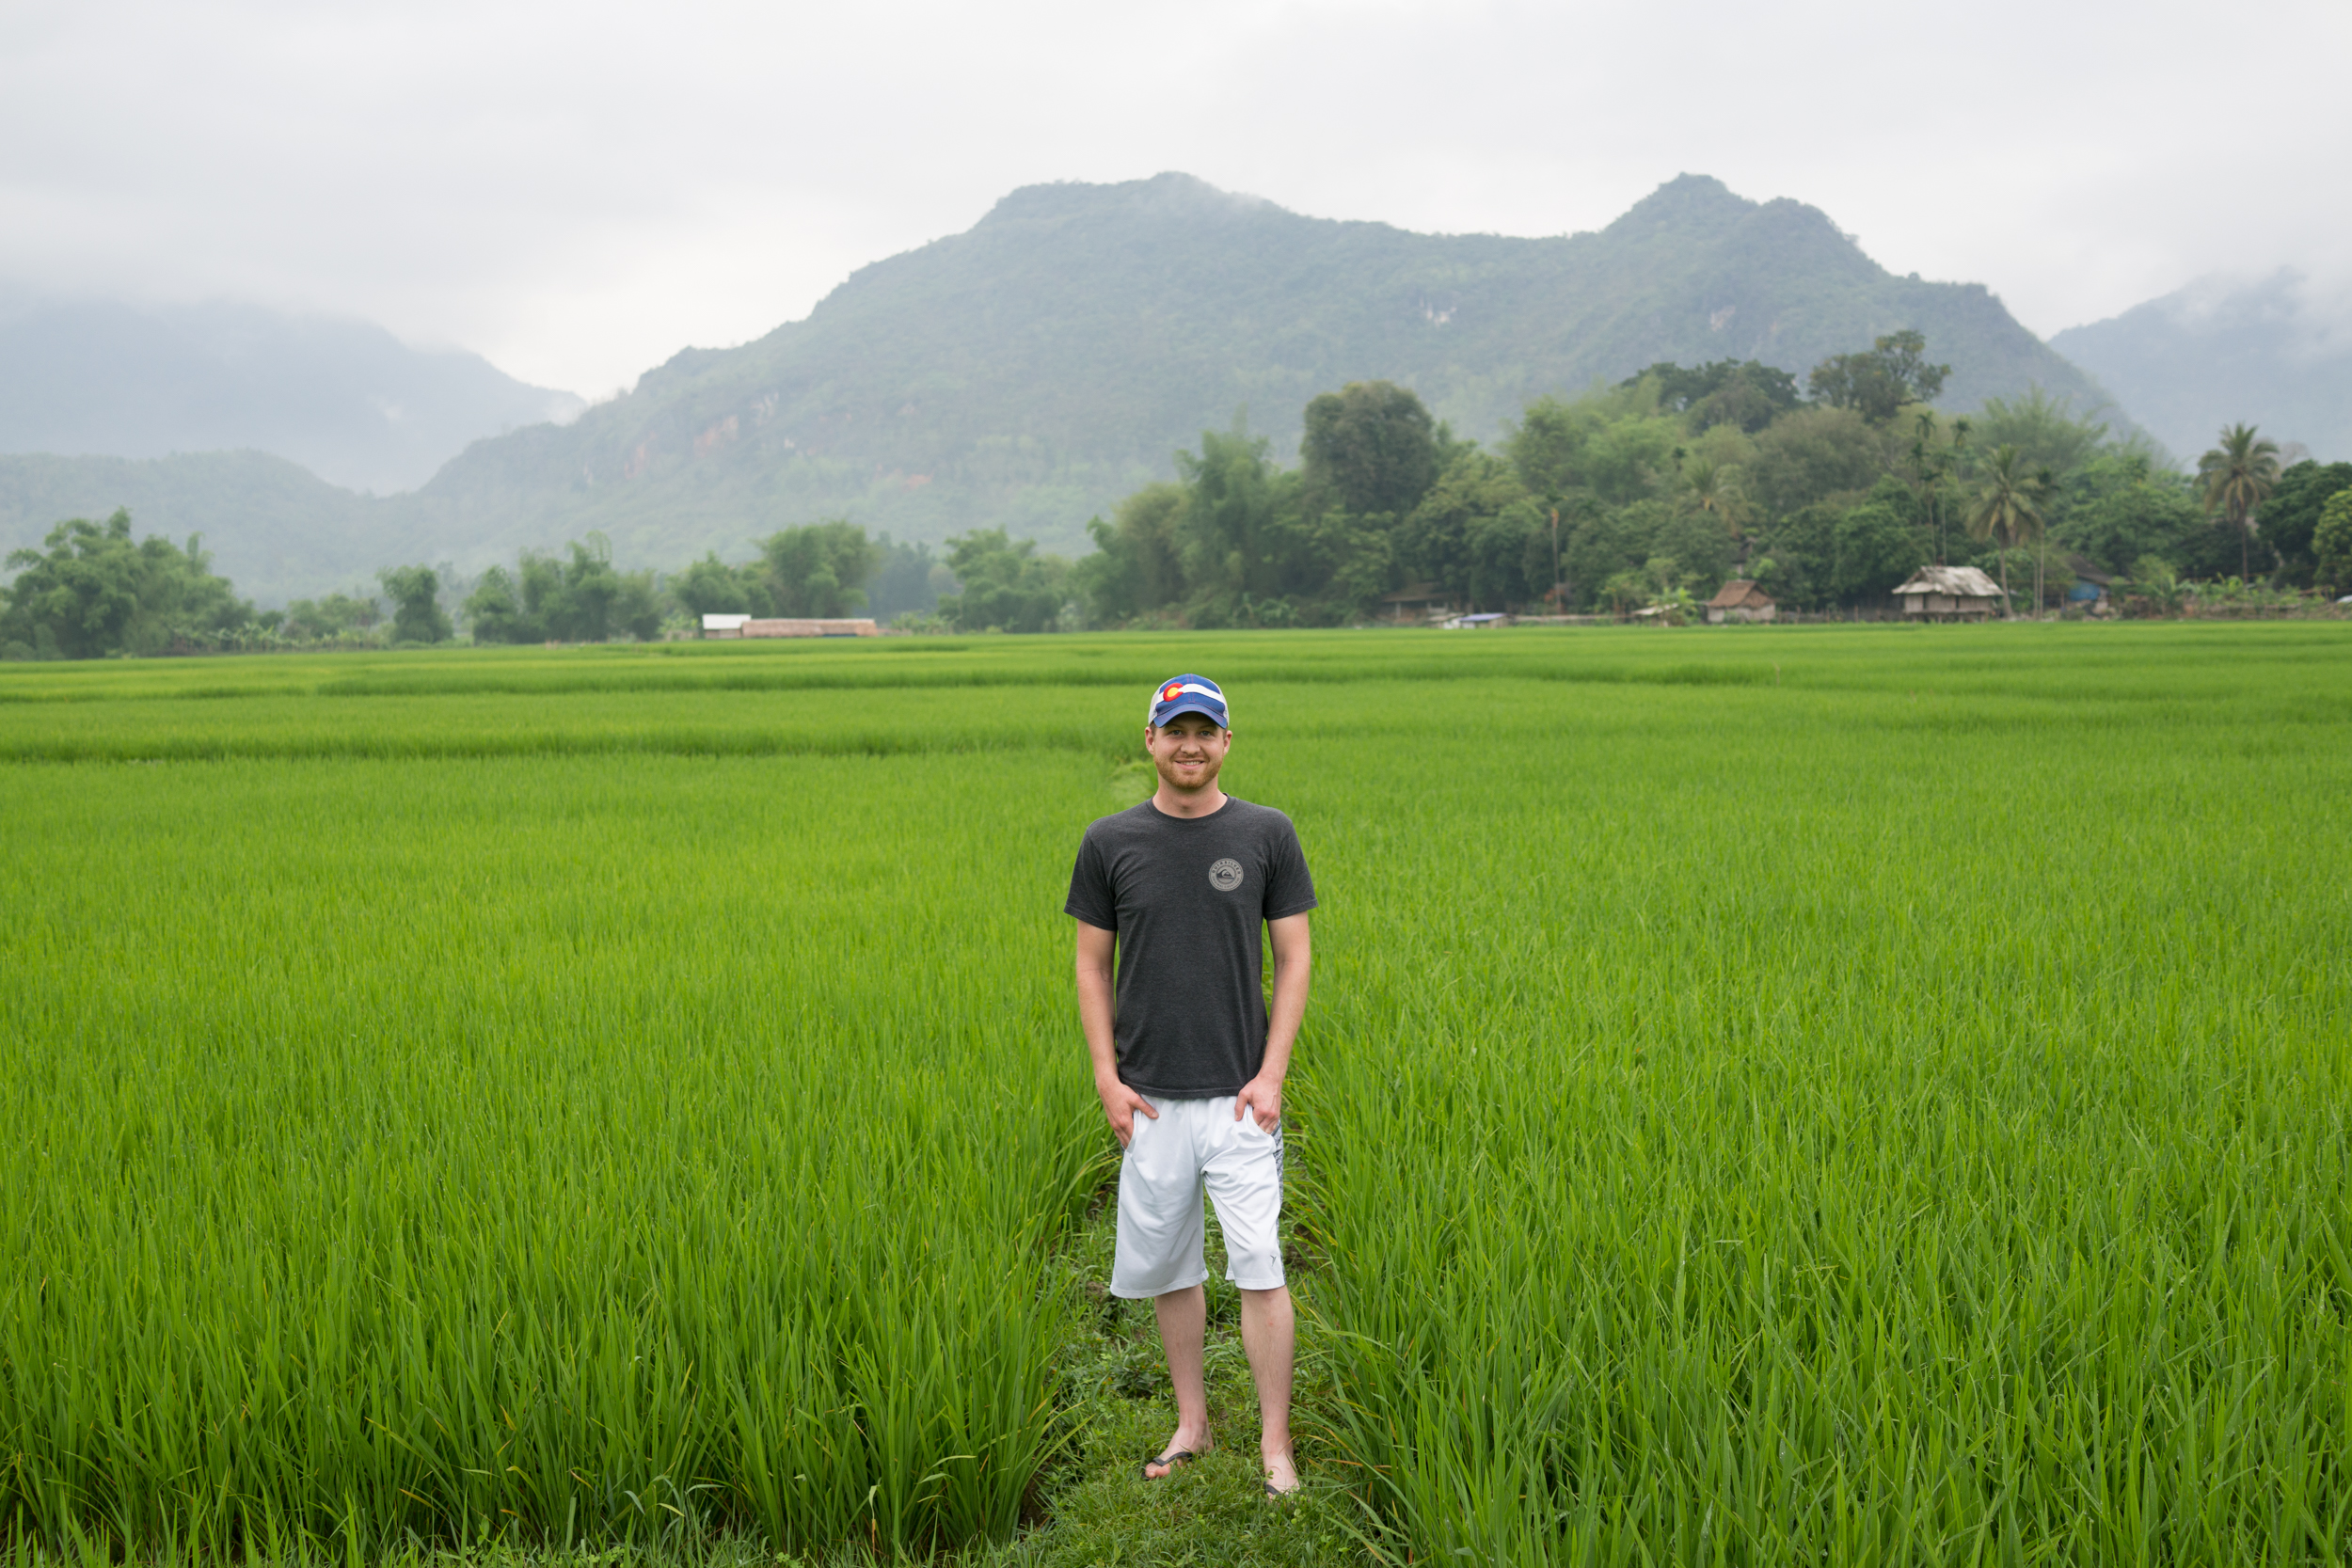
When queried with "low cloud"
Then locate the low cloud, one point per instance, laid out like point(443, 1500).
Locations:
point(578, 191)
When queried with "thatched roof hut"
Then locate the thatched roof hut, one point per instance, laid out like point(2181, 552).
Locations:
point(1950, 593)
point(1741, 600)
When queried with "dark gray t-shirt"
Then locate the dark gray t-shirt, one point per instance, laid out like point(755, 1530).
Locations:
point(1186, 896)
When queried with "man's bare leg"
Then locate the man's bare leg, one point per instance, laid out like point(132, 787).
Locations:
point(1184, 1326)
point(1269, 1332)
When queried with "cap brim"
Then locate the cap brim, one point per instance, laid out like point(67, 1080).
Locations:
point(1188, 704)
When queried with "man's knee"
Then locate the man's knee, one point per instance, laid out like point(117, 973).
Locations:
point(1255, 1268)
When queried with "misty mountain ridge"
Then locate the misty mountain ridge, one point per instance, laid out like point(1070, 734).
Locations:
point(1030, 371)
point(2275, 353)
point(344, 399)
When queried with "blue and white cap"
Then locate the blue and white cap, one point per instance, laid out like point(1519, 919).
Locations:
point(1189, 694)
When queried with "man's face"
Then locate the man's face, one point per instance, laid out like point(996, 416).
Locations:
point(1188, 751)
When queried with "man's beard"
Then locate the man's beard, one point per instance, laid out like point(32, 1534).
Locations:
point(1208, 773)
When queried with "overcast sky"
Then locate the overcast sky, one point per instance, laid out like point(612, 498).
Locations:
point(579, 189)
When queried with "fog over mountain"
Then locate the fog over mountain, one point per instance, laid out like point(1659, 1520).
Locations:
point(2275, 353)
point(344, 399)
point(1030, 371)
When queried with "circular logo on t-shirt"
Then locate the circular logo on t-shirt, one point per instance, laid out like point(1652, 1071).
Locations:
point(1225, 876)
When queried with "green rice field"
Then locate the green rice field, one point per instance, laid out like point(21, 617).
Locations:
point(1773, 1094)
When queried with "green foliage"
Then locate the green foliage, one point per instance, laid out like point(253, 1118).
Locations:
point(416, 593)
point(1240, 527)
point(275, 530)
point(712, 587)
point(2119, 507)
point(1137, 568)
point(1742, 392)
point(2291, 515)
point(1369, 447)
point(2045, 431)
point(1715, 491)
point(1875, 546)
point(92, 591)
point(1877, 383)
point(2006, 508)
point(1614, 447)
point(907, 581)
point(2331, 544)
point(821, 569)
point(579, 598)
point(1479, 535)
point(1700, 545)
point(2237, 476)
point(334, 618)
point(1003, 586)
point(1121, 320)
point(1816, 456)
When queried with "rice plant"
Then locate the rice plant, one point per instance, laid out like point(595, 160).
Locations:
point(1833, 1095)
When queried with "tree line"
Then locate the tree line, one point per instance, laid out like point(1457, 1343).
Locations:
point(1648, 494)
point(1678, 479)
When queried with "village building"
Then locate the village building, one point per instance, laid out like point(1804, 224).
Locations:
point(1739, 600)
point(803, 626)
point(1949, 593)
point(751, 626)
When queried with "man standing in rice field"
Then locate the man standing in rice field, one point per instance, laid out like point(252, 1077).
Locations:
point(1187, 1061)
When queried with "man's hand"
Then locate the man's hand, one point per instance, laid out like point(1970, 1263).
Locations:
point(1120, 1104)
point(1262, 1097)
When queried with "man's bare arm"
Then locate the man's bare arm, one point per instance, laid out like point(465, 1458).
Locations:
point(1294, 961)
point(1096, 1006)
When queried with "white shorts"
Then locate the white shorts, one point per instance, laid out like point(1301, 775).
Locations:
point(1196, 1143)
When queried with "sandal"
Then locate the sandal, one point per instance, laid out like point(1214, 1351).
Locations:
point(1171, 1462)
point(1276, 1493)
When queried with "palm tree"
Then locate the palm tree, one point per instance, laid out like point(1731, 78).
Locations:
point(1934, 467)
point(2044, 481)
point(2239, 475)
point(2004, 510)
point(1713, 489)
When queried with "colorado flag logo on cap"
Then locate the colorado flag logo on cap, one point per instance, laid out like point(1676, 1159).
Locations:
point(1190, 694)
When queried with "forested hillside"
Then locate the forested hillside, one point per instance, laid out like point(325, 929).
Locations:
point(276, 530)
point(2217, 353)
point(1028, 372)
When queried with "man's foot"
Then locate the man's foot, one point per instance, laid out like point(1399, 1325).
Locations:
point(1181, 1450)
point(1282, 1475)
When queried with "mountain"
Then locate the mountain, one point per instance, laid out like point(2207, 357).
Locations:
point(1030, 371)
point(2222, 352)
point(276, 530)
point(345, 400)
